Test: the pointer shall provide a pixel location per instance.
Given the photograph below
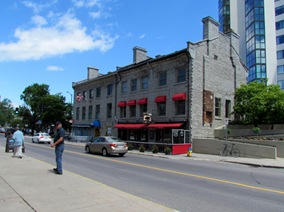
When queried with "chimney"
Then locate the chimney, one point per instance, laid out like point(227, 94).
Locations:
point(210, 28)
point(139, 54)
point(93, 73)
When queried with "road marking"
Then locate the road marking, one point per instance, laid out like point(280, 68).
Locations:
point(177, 172)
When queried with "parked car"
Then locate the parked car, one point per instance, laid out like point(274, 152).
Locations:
point(2, 130)
point(41, 138)
point(107, 145)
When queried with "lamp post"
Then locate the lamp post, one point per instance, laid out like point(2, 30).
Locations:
point(71, 97)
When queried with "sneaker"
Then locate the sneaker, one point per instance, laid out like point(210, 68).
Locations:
point(20, 157)
point(60, 173)
point(55, 169)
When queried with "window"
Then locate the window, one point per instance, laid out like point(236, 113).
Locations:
point(218, 107)
point(97, 115)
point(109, 110)
point(91, 93)
point(281, 83)
point(280, 54)
point(77, 113)
point(144, 82)
point(122, 112)
point(83, 113)
point(279, 10)
point(90, 112)
point(84, 95)
point(109, 89)
point(228, 109)
point(280, 69)
point(162, 78)
point(132, 111)
point(98, 92)
point(180, 107)
point(143, 109)
point(280, 39)
point(279, 25)
point(124, 87)
point(134, 85)
point(161, 108)
point(180, 75)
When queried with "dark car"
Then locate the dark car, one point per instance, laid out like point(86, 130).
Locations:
point(107, 145)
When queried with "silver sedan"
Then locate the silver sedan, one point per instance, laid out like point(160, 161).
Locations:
point(107, 145)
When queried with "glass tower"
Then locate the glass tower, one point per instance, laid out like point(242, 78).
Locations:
point(254, 21)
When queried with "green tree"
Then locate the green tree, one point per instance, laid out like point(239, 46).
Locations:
point(6, 112)
point(257, 103)
point(42, 109)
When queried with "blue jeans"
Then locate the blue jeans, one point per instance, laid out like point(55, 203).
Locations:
point(58, 153)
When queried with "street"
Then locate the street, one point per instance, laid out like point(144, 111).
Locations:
point(185, 185)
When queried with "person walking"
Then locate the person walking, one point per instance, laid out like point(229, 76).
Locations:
point(19, 138)
point(59, 147)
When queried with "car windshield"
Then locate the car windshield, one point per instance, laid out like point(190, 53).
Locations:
point(114, 139)
point(45, 134)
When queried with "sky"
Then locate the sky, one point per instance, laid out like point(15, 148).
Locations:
point(54, 41)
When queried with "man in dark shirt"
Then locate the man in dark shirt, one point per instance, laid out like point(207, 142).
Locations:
point(59, 147)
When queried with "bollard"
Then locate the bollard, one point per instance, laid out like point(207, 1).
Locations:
point(189, 151)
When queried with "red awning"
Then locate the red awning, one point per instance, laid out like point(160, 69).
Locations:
point(121, 104)
point(179, 97)
point(131, 103)
point(159, 99)
point(142, 101)
point(129, 126)
point(165, 125)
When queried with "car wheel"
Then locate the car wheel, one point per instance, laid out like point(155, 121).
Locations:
point(104, 152)
point(48, 142)
point(88, 149)
point(121, 154)
point(33, 140)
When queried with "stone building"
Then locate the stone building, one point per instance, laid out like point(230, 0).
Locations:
point(169, 98)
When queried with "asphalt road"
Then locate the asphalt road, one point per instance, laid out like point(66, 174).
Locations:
point(185, 185)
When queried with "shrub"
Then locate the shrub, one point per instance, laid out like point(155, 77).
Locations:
point(256, 130)
point(155, 149)
point(142, 148)
point(130, 146)
point(167, 150)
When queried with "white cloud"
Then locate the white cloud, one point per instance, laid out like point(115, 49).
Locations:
point(38, 7)
point(54, 68)
point(142, 36)
point(66, 36)
point(95, 14)
point(39, 20)
point(87, 3)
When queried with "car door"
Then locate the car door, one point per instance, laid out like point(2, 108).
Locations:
point(102, 144)
point(94, 144)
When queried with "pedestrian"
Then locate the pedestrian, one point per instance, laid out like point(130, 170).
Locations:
point(19, 138)
point(58, 143)
point(8, 138)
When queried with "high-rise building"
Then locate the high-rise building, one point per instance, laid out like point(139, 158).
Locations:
point(279, 18)
point(254, 21)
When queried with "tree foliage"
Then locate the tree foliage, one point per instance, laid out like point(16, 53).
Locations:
point(257, 103)
point(6, 112)
point(42, 109)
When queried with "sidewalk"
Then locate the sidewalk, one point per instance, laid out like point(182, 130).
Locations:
point(29, 184)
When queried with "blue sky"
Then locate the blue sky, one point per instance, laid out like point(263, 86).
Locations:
point(54, 41)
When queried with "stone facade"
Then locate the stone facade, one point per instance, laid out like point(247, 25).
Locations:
point(196, 85)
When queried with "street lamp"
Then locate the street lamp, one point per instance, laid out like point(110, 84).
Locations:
point(70, 95)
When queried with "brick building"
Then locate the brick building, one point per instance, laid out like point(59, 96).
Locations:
point(190, 91)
